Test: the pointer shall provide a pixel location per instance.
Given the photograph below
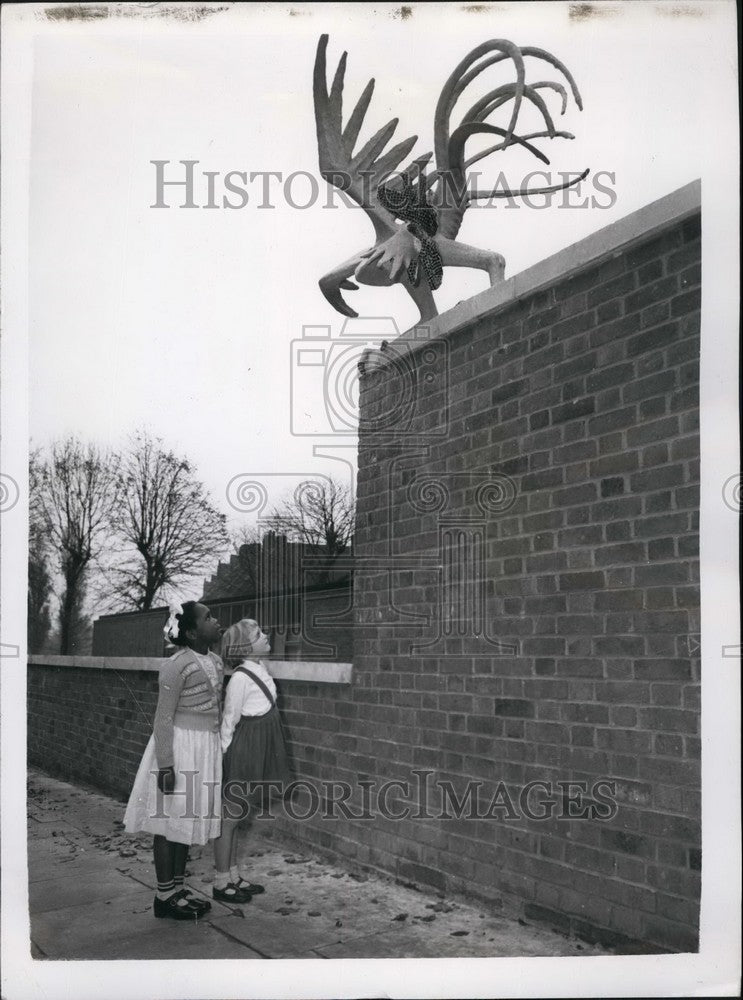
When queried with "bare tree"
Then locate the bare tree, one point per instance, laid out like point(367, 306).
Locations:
point(39, 620)
point(166, 524)
point(75, 497)
point(321, 515)
point(39, 592)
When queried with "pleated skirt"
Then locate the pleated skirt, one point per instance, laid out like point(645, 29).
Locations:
point(257, 753)
point(192, 813)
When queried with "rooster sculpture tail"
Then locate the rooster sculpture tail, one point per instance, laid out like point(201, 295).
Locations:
point(449, 181)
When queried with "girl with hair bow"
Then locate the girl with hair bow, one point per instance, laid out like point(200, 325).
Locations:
point(176, 793)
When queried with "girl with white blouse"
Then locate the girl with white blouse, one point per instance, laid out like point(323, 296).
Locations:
point(253, 747)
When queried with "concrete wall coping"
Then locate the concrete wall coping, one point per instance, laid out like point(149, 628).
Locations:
point(316, 671)
point(608, 242)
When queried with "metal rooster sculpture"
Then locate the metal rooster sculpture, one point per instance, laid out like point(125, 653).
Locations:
point(416, 216)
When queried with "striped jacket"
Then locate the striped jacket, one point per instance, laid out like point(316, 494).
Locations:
point(187, 699)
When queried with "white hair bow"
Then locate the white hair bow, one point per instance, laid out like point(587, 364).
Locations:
point(172, 625)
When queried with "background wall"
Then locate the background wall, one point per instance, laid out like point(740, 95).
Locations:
point(133, 633)
point(545, 482)
point(315, 623)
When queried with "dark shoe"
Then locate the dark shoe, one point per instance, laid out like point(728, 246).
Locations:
point(231, 894)
point(172, 907)
point(198, 902)
point(252, 887)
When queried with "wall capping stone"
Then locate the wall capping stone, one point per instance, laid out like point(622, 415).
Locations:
point(315, 671)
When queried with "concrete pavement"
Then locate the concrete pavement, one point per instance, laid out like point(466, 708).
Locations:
point(91, 888)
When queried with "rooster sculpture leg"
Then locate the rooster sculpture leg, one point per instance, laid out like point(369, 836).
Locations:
point(384, 264)
point(371, 274)
point(332, 282)
point(455, 254)
point(423, 298)
point(367, 268)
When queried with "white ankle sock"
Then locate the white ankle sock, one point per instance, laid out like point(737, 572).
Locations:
point(221, 880)
point(234, 874)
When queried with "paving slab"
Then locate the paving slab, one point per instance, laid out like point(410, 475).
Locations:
point(44, 867)
point(40, 830)
point(269, 933)
point(63, 893)
point(128, 930)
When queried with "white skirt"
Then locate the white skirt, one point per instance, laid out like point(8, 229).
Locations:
point(192, 813)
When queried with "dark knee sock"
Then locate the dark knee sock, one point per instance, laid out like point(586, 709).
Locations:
point(164, 858)
point(164, 866)
point(179, 864)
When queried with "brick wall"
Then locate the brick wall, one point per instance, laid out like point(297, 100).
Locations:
point(585, 395)
point(90, 725)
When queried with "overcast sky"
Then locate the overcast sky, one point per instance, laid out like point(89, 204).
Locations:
point(182, 320)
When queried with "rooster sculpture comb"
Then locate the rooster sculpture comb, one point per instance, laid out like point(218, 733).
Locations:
point(417, 215)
